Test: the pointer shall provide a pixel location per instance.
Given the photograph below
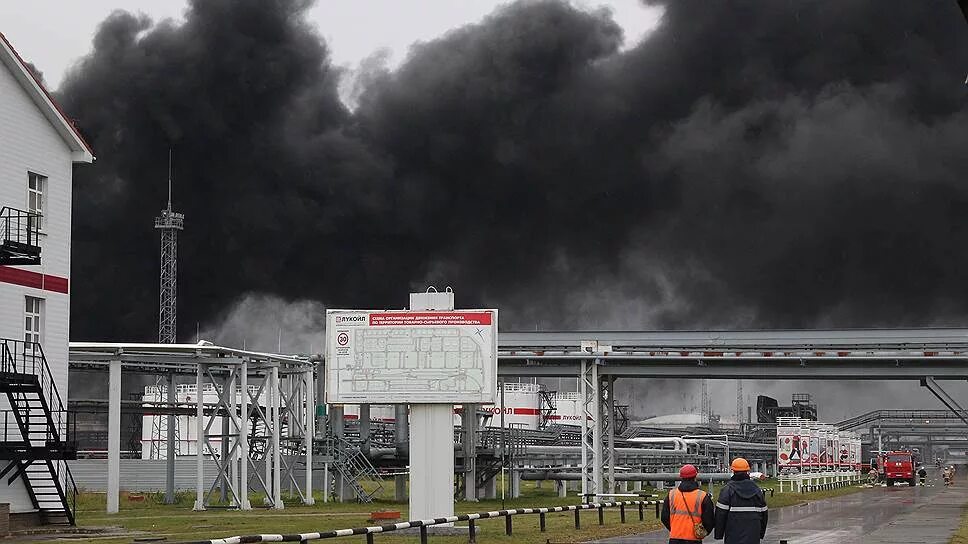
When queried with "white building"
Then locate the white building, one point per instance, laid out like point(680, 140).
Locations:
point(38, 148)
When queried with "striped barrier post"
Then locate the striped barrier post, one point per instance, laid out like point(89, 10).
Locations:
point(422, 525)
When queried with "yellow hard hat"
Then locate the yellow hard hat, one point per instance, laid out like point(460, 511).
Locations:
point(740, 465)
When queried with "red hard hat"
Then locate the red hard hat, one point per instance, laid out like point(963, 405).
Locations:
point(688, 472)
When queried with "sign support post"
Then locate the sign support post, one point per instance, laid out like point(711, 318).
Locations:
point(430, 357)
point(431, 455)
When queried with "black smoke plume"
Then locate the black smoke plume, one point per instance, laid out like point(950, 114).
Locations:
point(767, 164)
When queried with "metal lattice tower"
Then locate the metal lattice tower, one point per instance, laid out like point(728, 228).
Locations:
point(164, 429)
point(704, 394)
point(739, 402)
point(169, 223)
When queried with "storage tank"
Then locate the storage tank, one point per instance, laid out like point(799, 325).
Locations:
point(568, 409)
point(378, 412)
point(522, 406)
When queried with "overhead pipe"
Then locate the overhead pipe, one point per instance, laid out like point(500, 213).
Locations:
point(749, 446)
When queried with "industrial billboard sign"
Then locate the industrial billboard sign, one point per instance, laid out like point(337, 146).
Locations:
point(411, 357)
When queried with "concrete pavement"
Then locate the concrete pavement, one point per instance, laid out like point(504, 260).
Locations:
point(882, 515)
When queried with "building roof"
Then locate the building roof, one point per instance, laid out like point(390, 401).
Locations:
point(80, 150)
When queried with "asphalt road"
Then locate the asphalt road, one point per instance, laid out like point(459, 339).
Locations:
point(881, 515)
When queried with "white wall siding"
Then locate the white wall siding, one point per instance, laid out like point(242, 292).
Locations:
point(11, 311)
point(28, 143)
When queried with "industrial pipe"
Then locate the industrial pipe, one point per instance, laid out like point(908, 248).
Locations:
point(401, 430)
point(746, 446)
point(560, 450)
point(625, 476)
point(678, 443)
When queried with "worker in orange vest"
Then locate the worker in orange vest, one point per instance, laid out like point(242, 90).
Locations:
point(687, 512)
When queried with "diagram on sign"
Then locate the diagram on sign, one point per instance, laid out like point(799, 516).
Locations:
point(431, 359)
point(412, 357)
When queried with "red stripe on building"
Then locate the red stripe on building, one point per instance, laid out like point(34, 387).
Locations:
point(526, 412)
point(35, 280)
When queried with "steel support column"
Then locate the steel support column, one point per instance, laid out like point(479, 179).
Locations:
point(591, 443)
point(276, 466)
point(244, 436)
point(269, 393)
point(469, 442)
point(608, 427)
point(337, 424)
point(236, 439)
point(199, 440)
point(170, 449)
point(224, 447)
point(401, 433)
point(114, 436)
point(321, 398)
point(309, 433)
point(364, 422)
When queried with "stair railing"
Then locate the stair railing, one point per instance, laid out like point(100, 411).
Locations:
point(7, 363)
point(62, 472)
point(32, 360)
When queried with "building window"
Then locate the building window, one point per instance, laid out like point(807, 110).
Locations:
point(36, 185)
point(33, 320)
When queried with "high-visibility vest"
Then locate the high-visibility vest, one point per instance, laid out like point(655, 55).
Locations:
point(681, 524)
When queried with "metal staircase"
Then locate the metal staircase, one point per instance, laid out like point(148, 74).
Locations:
point(19, 237)
point(34, 439)
point(352, 464)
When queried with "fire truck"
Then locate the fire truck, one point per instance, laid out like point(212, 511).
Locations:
point(897, 466)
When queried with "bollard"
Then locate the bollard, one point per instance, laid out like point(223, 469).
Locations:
point(577, 518)
point(641, 512)
point(507, 524)
point(471, 532)
point(601, 516)
point(423, 534)
point(621, 512)
point(541, 521)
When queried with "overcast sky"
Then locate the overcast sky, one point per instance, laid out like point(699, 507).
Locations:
point(54, 33)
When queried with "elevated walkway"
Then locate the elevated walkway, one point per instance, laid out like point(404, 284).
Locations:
point(913, 417)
